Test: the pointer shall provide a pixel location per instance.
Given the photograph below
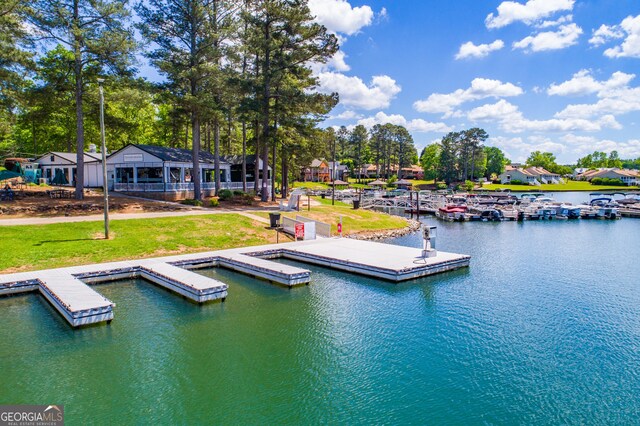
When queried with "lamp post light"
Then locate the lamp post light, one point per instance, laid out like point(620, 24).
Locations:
point(105, 185)
point(333, 174)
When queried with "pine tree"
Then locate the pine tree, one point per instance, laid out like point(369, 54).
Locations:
point(96, 33)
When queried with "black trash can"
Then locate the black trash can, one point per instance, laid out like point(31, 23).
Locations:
point(275, 219)
point(356, 204)
point(323, 195)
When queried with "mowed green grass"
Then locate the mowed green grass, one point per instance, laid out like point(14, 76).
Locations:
point(35, 247)
point(569, 186)
point(353, 221)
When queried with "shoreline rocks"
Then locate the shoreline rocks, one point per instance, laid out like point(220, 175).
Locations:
point(412, 226)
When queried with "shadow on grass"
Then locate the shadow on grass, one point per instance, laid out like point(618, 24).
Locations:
point(66, 241)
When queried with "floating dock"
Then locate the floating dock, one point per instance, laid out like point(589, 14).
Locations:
point(68, 291)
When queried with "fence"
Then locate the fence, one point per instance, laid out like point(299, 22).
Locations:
point(322, 229)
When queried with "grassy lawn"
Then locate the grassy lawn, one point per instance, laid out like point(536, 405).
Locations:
point(569, 186)
point(352, 220)
point(65, 244)
point(311, 185)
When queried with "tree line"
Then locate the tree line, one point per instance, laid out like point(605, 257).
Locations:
point(462, 156)
point(236, 78)
point(388, 147)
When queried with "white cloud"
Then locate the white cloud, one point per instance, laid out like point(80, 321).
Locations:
point(340, 17)
point(530, 12)
point(355, 93)
point(583, 83)
point(567, 35)
point(561, 20)
point(415, 125)
point(606, 33)
point(511, 120)
point(630, 47)
point(346, 115)
point(582, 145)
point(615, 95)
point(481, 88)
point(470, 50)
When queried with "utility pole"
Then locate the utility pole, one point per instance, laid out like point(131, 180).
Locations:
point(105, 185)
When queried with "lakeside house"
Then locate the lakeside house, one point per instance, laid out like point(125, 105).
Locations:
point(320, 170)
point(167, 173)
point(529, 175)
point(235, 162)
point(413, 172)
point(627, 176)
point(61, 168)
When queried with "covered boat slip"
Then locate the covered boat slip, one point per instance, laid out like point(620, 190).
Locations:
point(67, 290)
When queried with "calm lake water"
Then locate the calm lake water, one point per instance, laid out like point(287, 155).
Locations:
point(544, 327)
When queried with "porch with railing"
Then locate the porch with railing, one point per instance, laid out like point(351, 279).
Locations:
point(173, 187)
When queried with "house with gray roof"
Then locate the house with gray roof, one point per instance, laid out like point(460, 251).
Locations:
point(165, 173)
point(61, 168)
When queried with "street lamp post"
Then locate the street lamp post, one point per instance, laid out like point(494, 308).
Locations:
point(105, 186)
point(333, 174)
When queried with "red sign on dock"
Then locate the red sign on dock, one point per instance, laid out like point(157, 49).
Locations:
point(299, 229)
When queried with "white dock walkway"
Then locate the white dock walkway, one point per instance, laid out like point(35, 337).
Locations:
point(78, 303)
point(389, 262)
point(67, 289)
point(189, 284)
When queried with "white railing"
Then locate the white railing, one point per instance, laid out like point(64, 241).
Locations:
point(172, 187)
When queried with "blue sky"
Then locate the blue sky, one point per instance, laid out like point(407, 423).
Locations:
point(551, 75)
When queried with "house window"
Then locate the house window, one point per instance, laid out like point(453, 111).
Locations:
point(124, 174)
point(149, 174)
point(174, 175)
point(52, 158)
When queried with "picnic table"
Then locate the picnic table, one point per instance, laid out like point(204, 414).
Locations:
point(60, 193)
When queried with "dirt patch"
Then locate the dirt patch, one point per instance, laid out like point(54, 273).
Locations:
point(36, 203)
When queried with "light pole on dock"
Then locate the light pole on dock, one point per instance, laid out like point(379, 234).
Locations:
point(105, 185)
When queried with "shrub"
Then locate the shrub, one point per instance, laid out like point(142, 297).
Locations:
point(191, 202)
point(225, 195)
point(214, 202)
point(607, 181)
point(518, 182)
point(468, 185)
point(392, 179)
point(441, 185)
point(238, 192)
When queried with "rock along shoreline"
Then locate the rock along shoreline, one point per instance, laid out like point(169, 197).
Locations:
point(412, 226)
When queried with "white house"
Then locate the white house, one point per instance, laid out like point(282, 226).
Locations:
point(530, 175)
point(628, 177)
point(63, 164)
point(166, 173)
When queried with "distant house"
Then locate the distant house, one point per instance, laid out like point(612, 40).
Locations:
point(63, 164)
point(317, 171)
point(530, 175)
point(413, 172)
point(628, 177)
point(341, 171)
